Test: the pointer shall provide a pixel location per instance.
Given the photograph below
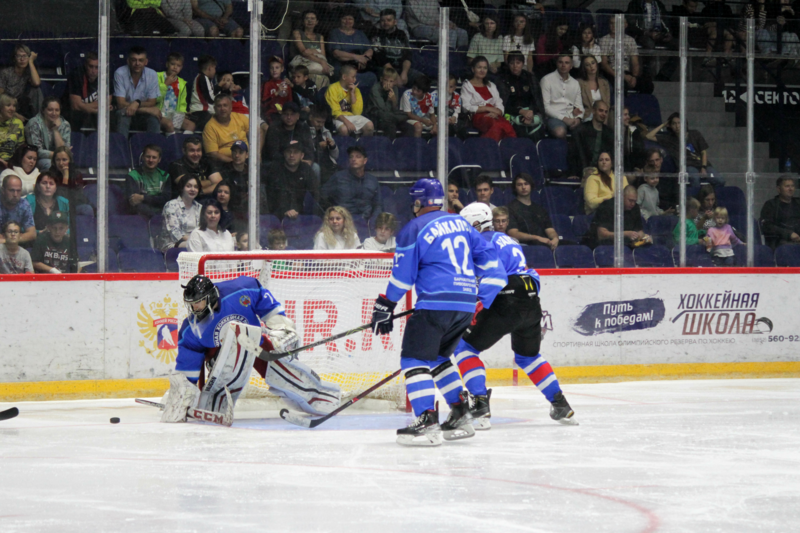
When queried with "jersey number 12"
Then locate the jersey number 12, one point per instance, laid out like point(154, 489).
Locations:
point(451, 246)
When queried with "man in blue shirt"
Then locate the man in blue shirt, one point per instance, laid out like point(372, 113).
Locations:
point(354, 189)
point(11, 208)
point(440, 254)
point(135, 93)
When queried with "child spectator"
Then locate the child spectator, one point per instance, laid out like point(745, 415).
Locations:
point(23, 165)
point(457, 127)
point(52, 252)
point(648, 196)
point(237, 96)
point(204, 91)
point(692, 235)
point(276, 92)
point(346, 104)
point(720, 239)
point(242, 241)
point(455, 205)
point(419, 104)
point(276, 239)
point(209, 236)
point(172, 101)
point(45, 200)
point(13, 258)
point(384, 102)
point(304, 91)
point(326, 153)
point(500, 219)
point(337, 231)
point(12, 131)
point(48, 130)
point(147, 187)
point(385, 228)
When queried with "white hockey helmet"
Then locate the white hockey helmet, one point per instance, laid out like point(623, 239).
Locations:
point(480, 213)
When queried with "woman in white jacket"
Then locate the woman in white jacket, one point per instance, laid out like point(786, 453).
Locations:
point(479, 96)
point(208, 237)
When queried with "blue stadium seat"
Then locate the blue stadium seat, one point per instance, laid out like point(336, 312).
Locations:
point(604, 257)
point(343, 142)
point(119, 153)
point(581, 224)
point(483, 152)
point(732, 198)
point(653, 256)
point(763, 256)
point(646, 106)
point(739, 224)
point(116, 198)
point(553, 156)
point(696, 257)
point(230, 54)
point(539, 257)
point(128, 231)
point(154, 227)
point(86, 231)
point(520, 155)
point(362, 227)
point(426, 60)
point(411, 158)
point(191, 49)
point(788, 255)
point(171, 259)
point(112, 265)
point(300, 231)
point(576, 256)
point(380, 155)
point(559, 201)
point(267, 223)
point(660, 228)
point(76, 140)
point(141, 260)
point(454, 151)
point(139, 140)
point(563, 226)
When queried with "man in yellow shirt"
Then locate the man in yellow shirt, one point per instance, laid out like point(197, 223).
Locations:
point(346, 103)
point(225, 128)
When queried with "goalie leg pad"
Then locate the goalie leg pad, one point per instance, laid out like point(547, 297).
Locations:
point(302, 388)
point(182, 397)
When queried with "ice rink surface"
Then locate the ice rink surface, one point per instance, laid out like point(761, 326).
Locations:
point(673, 456)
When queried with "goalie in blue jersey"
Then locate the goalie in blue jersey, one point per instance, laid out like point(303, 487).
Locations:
point(441, 255)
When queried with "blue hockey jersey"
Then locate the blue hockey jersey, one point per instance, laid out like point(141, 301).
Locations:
point(242, 300)
point(441, 254)
point(511, 257)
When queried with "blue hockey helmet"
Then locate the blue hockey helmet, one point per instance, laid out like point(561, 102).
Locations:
point(428, 192)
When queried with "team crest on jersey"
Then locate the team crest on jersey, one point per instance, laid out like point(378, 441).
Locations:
point(244, 300)
point(158, 324)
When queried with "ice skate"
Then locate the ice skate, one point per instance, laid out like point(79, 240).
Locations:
point(459, 422)
point(561, 412)
point(425, 431)
point(481, 414)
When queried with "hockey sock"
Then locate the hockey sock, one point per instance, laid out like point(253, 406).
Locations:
point(471, 367)
point(419, 385)
point(541, 374)
point(447, 379)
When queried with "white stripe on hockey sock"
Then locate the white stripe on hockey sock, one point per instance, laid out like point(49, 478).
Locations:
point(543, 385)
point(464, 355)
point(425, 376)
point(475, 372)
point(539, 361)
point(452, 386)
point(421, 394)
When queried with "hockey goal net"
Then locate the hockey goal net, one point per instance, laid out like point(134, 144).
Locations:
point(324, 293)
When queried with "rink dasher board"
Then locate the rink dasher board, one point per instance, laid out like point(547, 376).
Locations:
point(124, 326)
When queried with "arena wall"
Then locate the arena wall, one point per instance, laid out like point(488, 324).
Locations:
point(114, 335)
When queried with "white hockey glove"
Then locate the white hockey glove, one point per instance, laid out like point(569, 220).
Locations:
point(182, 397)
point(281, 333)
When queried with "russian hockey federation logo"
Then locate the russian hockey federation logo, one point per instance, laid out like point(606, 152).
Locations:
point(244, 300)
point(158, 323)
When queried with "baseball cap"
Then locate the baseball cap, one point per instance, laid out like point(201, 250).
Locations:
point(239, 145)
point(293, 145)
point(57, 217)
point(290, 107)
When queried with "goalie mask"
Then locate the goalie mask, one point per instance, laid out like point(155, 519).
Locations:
point(480, 213)
point(199, 289)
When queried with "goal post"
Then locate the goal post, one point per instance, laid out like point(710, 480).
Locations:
point(324, 293)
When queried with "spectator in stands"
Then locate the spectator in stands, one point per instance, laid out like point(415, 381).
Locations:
point(717, 15)
point(780, 216)
point(290, 180)
point(12, 131)
point(454, 206)
point(590, 139)
point(481, 97)
point(634, 152)
point(337, 231)
point(136, 93)
point(23, 165)
point(308, 49)
point(12, 208)
point(520, 40)
point(692, 235)
point(528, 222)
point(708, 203)
point(193, 163)
point(226, 83)
point(668, 190)
point(720, 239)
point(347, 106)
point(698, 32)
point(204, 92)
point(286, 131)
point(147, 187)
point(209, 236)
point(80, 107)
point(350, 45)
point(392, 49)
point(423, 22)
point(144, 17)
point(646, 22)
point(780, 34)
point(53, 252)
point(648, 196)
point(354, 189)
point(276, 239)
point(563, 103)
point(275, 93)
point(419, 104)
point(21, 81)
point(588, 46)
point(235, 175)
point(225, 128)
point(215, 17)
point(500, 219)
point(172, 96)
point(223, 193)
point(487, 43)
point(594, 88)
point(484, 188)
point(45, 200)
point(372, 11)
point(70, 181)
point(383, 241)
point(522, 98)
point(697, 164)
point(457, 122)
point(634, 78)
point(179, 14)
point(384, 105)
point(304, 91)
point(181, 215)
point(13, 258)
point(601, 231)
point(48, 131)
point(756, 10)
point(600, 185)
point(326, 153)
point(551, 43)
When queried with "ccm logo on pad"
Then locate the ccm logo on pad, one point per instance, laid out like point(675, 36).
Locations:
point(208, 417)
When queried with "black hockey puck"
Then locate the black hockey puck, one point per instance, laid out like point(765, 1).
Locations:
point(114, 420)
point(283, 413)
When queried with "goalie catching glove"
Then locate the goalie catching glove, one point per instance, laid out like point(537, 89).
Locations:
point(279, 334)
point(383, 315)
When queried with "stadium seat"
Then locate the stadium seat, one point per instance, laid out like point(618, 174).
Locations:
point(128, 231)
point(580, 225)
point(139, 140)
point(739, 224)
point(563, 226)
point(343, 143)
point(575, 256)
point(267, 223)
point(732, 198)
point(412, 158)
point(112, 264)
point(646, 107)
point(171, 259)
point(154, 227)
point(231, 54)
point(426, 60)
point(763, 256)
point(604, 257)
point(192, 49)
point(660, 228)
point(553, 156)
point(520, 155)
point(654, 256)
point(116, 198)
point(76, 140)
point(787, 255)
point(362, 227)
point(86, 231)
point(559, 201)
point(301, 230)
point(539, 257)
point(696, 256)
point(380, 154)
point(483, 152)
point(119, 153)
point(141, 260)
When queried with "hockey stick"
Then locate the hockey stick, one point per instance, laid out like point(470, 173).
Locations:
point(9, 413)
point(309, 423)
point(225, 419)
point(273, 356)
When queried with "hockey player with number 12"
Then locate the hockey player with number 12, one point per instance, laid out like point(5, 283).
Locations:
point(441, 255)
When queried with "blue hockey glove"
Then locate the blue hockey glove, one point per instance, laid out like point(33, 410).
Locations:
point(382, 316)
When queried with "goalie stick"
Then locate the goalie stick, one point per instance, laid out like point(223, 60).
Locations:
point(9, 413)
point(312, 423)
point(223, 419)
